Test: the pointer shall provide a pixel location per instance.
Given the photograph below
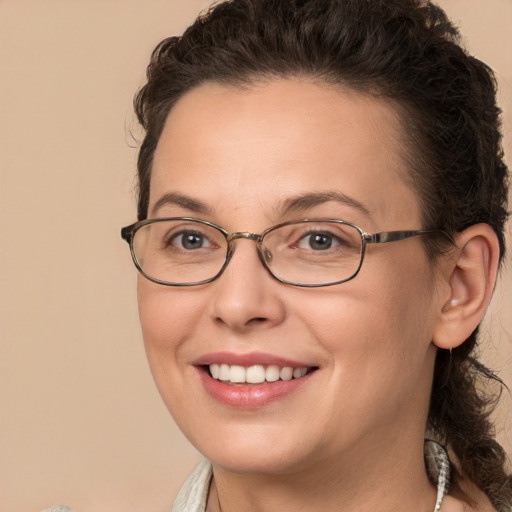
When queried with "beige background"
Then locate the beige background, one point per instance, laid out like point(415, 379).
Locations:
point(80, 420)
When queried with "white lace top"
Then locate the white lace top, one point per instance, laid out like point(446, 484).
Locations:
point(194, 493)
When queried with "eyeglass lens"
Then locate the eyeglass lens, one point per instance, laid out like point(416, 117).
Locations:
point(187, 251)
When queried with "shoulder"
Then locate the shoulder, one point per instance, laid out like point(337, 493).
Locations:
point(58, 508)
point(453, 504)
point(466, 493)
point(194, 493)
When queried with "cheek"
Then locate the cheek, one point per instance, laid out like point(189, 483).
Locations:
point(378, 328)
point(168, 317)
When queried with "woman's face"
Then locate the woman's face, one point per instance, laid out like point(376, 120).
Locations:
point(240, 158)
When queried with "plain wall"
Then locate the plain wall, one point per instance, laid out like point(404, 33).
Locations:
point(81, 422)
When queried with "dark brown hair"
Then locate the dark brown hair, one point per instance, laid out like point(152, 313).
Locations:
point(407, 52)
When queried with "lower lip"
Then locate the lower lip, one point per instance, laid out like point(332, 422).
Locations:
point(250, 396)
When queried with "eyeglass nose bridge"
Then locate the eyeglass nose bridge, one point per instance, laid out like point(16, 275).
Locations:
point(243, 234)
point(264, 254)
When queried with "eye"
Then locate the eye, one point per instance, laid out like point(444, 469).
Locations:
point(318, 241)
point(189, 240)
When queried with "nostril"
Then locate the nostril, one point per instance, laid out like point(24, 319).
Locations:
point(258, 320)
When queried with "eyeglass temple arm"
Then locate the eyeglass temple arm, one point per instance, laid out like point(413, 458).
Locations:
point(126, 233)
point(394, 236)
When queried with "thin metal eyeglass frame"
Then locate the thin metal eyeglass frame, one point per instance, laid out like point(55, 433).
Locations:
point(128, 234)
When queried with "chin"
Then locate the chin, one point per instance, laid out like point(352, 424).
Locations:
point(268, 461)
point(268, 449)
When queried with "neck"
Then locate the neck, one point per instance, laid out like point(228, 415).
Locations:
point(365, 480)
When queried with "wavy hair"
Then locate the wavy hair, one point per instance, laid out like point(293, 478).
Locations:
point(408, 53)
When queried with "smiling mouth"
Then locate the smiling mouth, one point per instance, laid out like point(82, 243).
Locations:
point(256, 374)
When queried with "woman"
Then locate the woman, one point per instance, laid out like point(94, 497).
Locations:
point(326, 200)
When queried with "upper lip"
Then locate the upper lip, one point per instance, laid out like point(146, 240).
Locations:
point(249, 359)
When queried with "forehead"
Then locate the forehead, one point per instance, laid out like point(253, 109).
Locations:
point(250, 147)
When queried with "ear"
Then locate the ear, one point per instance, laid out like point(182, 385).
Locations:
point(470, 274)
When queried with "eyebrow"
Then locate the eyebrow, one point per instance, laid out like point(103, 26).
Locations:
point(294, 204)
point(176, 199)
point(306, 201)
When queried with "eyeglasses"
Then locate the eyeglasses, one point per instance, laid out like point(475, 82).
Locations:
point(183, 251)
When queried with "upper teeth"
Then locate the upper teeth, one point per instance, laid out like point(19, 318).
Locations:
point(254, 374)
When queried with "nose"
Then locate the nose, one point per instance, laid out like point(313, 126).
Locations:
point(246, 296)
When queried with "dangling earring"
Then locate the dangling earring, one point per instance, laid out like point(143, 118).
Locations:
point(438, 468)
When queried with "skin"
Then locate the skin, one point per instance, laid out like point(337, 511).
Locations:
point(353, 434)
